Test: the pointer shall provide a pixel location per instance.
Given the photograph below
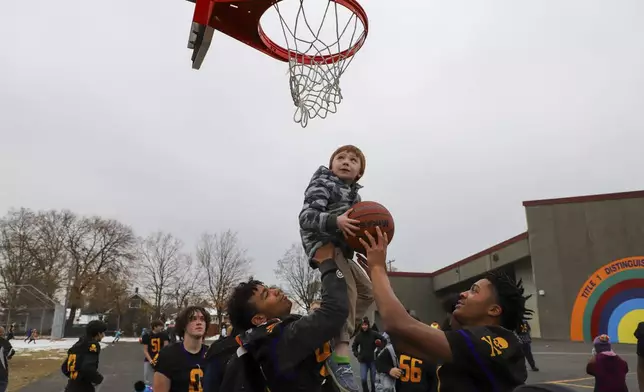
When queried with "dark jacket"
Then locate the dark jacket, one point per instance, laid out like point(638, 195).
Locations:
point(364, 345)
point(81, 366)
point(292, 351)
point(6, 352)
point(326, 198)
point(523, 332)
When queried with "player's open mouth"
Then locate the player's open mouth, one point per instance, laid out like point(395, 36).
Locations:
point(459, 304)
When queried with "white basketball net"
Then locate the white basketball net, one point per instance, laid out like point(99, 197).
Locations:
point(315, 87)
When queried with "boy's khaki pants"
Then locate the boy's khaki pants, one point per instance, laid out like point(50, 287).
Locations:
point(359, 290)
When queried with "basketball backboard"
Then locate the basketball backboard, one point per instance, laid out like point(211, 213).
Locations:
point(199, 41)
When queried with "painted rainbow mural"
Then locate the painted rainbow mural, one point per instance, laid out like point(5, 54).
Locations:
point(611, 301)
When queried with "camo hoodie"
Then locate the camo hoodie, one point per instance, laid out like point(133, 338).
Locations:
point(326, 198)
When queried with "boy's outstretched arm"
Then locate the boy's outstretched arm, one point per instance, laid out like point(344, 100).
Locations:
point(314, 214)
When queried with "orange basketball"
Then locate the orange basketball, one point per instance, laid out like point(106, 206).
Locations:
point(371, 215)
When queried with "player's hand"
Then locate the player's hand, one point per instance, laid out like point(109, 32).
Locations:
point(376, 249)
point(395, 373)
point(348, 225)
point(324, 253)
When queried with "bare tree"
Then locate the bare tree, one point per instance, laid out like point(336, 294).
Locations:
point(187, 286)
point(108, 293)
point(161, 264)
point(16, 263)
point(224, 263)
point(95, 246)
point(302, 282)
point(47, 248)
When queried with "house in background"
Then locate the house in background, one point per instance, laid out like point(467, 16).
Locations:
point(135, 314)
point(138, 314)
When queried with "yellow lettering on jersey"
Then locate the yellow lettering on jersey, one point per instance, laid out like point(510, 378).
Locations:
point(412, 372)
point(71, 366)
point(321, 355)
point(92, 348)
point(156, 345)
point(438, 378)
point(196, 375)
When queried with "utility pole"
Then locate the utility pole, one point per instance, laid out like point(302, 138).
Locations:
point(389, 263)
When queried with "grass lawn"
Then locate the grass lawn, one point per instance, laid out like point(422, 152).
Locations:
point(27, 367)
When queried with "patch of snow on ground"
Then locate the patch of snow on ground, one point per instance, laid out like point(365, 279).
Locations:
point(45, 344)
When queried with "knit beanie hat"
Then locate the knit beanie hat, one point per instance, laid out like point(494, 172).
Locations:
point(602, 345)
point(355, 150)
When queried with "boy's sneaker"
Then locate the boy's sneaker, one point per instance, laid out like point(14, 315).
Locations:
point(342, 375)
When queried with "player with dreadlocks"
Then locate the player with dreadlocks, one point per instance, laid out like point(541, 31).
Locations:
point(484, 354)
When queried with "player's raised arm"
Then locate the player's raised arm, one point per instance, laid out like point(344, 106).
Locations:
point(300, 338)
point(409, 334)
point(314, 214)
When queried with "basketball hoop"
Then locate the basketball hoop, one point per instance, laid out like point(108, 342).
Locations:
point(316, 63)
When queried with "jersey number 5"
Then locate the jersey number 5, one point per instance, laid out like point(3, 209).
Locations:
point(411, 368)
point(195, 380)
point(156, 345)
point(71, 366)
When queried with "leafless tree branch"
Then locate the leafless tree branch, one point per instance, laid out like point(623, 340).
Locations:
point(224, 263)
point(302, 282)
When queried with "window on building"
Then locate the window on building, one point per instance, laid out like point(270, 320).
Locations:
point(135, 303)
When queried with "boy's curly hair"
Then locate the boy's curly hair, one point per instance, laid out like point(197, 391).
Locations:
point(509, 295)
point(240, 309)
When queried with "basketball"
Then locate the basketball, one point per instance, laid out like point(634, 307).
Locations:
point(371, 215)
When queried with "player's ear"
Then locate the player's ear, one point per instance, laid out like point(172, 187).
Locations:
point(495, 310)
point(258, 319)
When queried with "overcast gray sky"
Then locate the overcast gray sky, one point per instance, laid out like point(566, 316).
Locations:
point(463, 109)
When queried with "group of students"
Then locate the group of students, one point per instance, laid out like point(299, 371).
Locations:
point(271, 349)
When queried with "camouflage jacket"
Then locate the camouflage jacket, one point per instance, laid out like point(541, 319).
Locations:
point(326, 198)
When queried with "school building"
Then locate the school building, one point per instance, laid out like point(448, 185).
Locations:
point(581, 258)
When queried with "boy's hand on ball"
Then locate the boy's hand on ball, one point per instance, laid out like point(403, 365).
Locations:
point(324, 253)
point(376, 249)
point(348, 225)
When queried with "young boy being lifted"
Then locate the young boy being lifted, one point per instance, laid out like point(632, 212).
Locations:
point(324, 218)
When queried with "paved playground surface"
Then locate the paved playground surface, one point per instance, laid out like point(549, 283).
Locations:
point(559, 362)
point(564, 363)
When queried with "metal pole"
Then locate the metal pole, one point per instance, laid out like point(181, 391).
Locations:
point(42, 320)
